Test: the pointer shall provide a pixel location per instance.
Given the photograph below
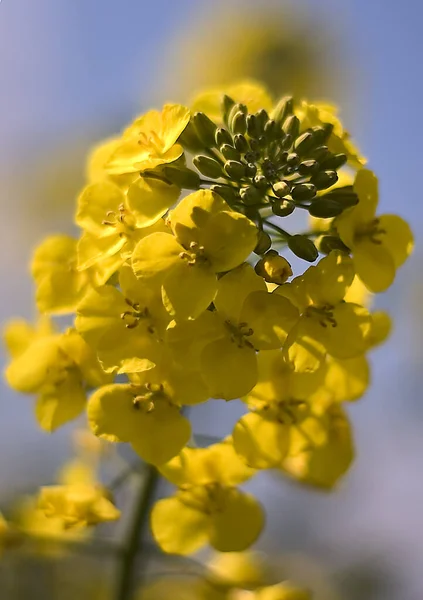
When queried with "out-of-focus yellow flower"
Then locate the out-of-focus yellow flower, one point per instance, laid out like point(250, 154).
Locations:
point(77, 505)
point(380, 245)
point(207, 507)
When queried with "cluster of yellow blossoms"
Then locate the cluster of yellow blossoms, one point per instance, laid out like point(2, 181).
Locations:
point(181, 300)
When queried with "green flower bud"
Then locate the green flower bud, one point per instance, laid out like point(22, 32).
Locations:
point(264, 243)
point(227, 193)
point(334, 161)
point(292, 160)
point(252, 129)
point(250, 170)
point(325, 208)
point(304, 143)
point(320, 153)
point(308, 167)
point(332, 242)
point(182, 177)
point(234, 169)
point(303, 191)
point(324, 179)
point(250, 195)
point(283, 109)
point(261, 182)
point(237, 108)
point(283, 208)
point(261, 119)
point(302, 247)
point(208, 166)
point(239, 123)
point(227, 104)
point(292, 126)
point(271, 130)
point(205, 128)
point(281, 189)
point(322, 134)
point(229, 152)
point(344, 196)
point(222, 136)
point(190, 140)
point(241, 143)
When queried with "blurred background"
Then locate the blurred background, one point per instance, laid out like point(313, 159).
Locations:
point(75, 72)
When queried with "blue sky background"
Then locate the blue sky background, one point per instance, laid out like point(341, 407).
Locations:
point(80, 69)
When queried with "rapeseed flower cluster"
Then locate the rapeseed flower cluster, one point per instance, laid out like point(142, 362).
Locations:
point(183, 291)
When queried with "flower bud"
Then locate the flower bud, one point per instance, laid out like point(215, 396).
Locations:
point(239, 123)
point(190, 140)
point(227, 193)
point(250, 170)
point(229, 152)
point(304, 143)
point(241, 143)
point(264, 243)
point(205, 128)
point(250, 195)
point(302, 247)
point(261, 119)
point(222, 136)
point(292, 126)
point(283, 208)
point(334, 161)
point(252, 129)
point(235, 169)
point(182, 177)
point(324, 179)
point(237, 108)
point(325, 208)
point(307, 167)
point(303, 191)
point(227, 105)
point(261, 182)
point(273, 268)
point(208, 166)
point(281, 189)
point(283, 109)
point(322, 134)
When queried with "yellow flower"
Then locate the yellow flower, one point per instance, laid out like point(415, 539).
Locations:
point(248, 92)
point(327, 324)
point(209, 238)
point(312, 115)
point(224, 343)
point(282, 591)
point(279, 404)
point(113, 221)
point(125, 326)
point(323, 464)
point(77, 505)
point(146, 412)
point(207, 508)
point(58, 368)
point(150, 141)
point(379, 244)
point(60, 286)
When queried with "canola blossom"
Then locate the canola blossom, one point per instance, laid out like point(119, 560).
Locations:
point(183, 289)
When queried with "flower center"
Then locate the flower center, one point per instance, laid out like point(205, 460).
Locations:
point(285, 412)
point(122, 220)
point(322, 314)
point(133, 317)
point(371, 231)
point(240, 333)
point(209, 498)
point(147, 397)
point(196, 255)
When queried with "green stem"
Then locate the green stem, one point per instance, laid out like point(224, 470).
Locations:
point(134, 544)
point(277, 228)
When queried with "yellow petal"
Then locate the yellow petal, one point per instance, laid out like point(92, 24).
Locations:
point(61, 404)
point(248, 92)
point(188, 290)
point(149, 199)
point(122, 350)
point(175, 118)
point(303, 347)
point(238, 525)
point(178, 528)
point(95, 201)
point(348, 338)
point(380, 329)
point(345, 380)
point(261, 442)
point(155, 255)
point(233, 288)
point(397, 239)
point(329, 281)
point(228, 370)
point(374, 265)
point(92, 250)
point(271, 317)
